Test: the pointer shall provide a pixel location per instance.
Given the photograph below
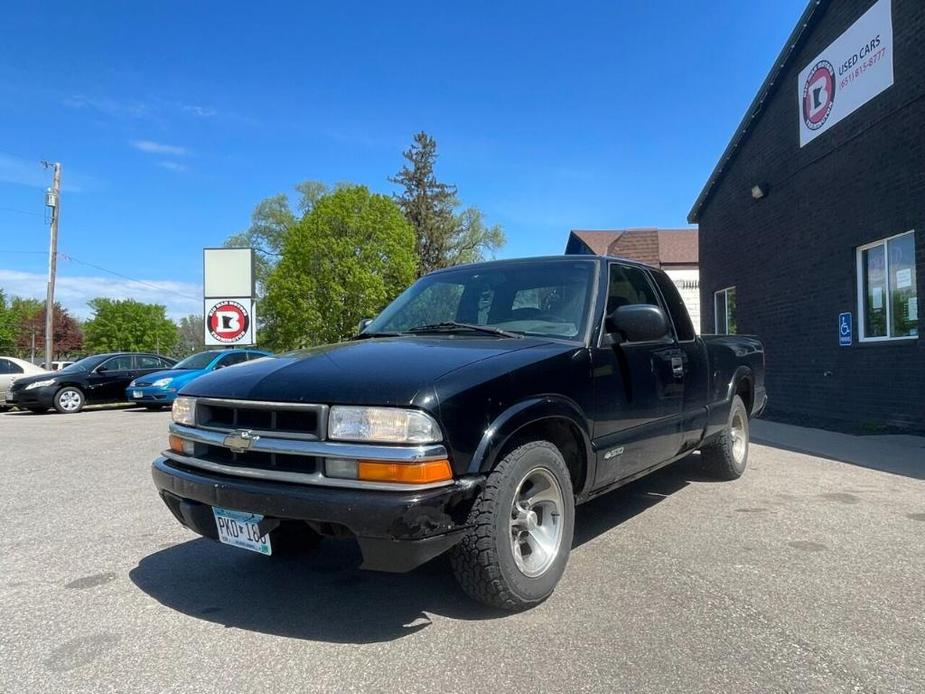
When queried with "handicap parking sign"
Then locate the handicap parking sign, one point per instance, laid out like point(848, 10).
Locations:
point(844, 329)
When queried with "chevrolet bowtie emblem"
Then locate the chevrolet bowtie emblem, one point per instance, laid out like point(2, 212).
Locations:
point(240, 441)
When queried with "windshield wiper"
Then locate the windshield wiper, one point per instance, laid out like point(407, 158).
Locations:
point(385, 333)
point(451, 325)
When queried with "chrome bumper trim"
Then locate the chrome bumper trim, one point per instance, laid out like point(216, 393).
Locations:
point(319, 449)
point(314, 478)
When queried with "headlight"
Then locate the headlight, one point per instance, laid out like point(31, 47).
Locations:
point(382, 425)
point(162, 382)
point(40, 384)
point(184, 411)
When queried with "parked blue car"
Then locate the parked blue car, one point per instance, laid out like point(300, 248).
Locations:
point(159, 389)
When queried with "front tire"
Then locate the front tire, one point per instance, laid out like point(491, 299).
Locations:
point(727, 457)
point(69, 400)
point(520, 530)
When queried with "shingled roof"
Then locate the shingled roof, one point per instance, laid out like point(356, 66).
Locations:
point(656, 247)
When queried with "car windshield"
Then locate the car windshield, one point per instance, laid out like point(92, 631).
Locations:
point(548, 298)
point(197, 361)
point(85, 364)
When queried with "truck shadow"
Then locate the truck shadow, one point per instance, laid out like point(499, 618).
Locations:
point(325, 597)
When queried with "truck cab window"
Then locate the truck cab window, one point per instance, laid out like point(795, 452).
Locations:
point(628, 285)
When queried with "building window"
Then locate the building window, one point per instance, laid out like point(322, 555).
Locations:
point(888, 305)
point(724, 311)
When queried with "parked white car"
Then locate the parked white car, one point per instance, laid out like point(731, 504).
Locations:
point(11, 369)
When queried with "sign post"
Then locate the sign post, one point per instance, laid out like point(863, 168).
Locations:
point(228, 296)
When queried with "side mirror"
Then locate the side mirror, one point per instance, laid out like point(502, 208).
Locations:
point(363, 324)
point(637, 323)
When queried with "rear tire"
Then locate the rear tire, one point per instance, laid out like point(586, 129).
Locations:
point(69, 400)
point(520, 530)
point(727, 457)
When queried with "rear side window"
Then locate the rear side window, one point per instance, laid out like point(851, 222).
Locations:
point(682, 320)
point(8, 367)
point(232, 359)
point(145, 361)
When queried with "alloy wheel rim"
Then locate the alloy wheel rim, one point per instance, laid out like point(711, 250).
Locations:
point(739, 433)
point(69, 400)
point(536, 522)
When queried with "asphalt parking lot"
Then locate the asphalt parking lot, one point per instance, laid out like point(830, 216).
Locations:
point(806, 575)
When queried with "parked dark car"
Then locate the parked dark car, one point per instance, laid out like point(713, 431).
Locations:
point(471, 415)
point(98, 379)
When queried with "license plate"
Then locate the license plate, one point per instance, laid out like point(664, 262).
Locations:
point(137, 394)
point(240, 529)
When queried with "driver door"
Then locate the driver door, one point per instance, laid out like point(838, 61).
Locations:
point(108, 381)
point(638, 391)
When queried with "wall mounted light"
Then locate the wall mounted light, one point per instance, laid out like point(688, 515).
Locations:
point(759, 191)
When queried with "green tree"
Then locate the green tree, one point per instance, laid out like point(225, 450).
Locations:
point(128, 325)
point(443, 237)
point(190, 336)
point(7, 333)
point(350, 255)
point(271, 220)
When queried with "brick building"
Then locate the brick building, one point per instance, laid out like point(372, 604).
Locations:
point(812, 224)
point(673, 250)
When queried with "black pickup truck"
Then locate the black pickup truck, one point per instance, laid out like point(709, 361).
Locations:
point(471, 415)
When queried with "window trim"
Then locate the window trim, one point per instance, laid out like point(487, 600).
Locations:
point(725, 292)
point(859, 280)
point(672, 335)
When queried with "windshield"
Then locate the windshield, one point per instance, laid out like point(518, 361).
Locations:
point(539, 298)
point(197, 361)
point(85, 364)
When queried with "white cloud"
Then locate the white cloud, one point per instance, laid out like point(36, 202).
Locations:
point(199, 111)
point(73, 292)
point(172, 165)
point(30, 172)
point(150, 147)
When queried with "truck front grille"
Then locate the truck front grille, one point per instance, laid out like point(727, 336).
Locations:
point(260, 460)
point(287, 420)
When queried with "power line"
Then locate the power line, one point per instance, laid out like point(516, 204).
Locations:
point(65, 256)
point(13, 209)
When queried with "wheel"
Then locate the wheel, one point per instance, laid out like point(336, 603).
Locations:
point(520, 530)
point(37, 410)
point(69, 400)
point(727, 456)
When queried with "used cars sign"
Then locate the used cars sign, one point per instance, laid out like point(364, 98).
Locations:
point(851, 71)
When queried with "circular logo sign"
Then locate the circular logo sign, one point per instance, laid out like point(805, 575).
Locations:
point(818, 94)
point(228, 321)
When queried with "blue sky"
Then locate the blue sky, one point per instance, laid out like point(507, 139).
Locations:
point(172, 120)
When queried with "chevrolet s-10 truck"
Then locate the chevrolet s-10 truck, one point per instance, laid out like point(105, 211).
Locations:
point(470, 416)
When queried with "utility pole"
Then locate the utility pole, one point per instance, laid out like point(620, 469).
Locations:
point(53, 201)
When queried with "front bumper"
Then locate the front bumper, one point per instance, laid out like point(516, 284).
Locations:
point(396, 530)
point(36, 397)
point(149, 395)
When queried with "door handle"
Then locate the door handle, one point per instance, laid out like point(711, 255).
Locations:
point(677, 367)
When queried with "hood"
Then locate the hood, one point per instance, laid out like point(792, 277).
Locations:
point(380, 371)
point(26, 379)
point(182, 375)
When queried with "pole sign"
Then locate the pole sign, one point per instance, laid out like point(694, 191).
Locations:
point(228, 296)
point(851, 71)
point(845, 331)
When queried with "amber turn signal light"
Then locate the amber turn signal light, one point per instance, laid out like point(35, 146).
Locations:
point(405, 473)
point(180, 445)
